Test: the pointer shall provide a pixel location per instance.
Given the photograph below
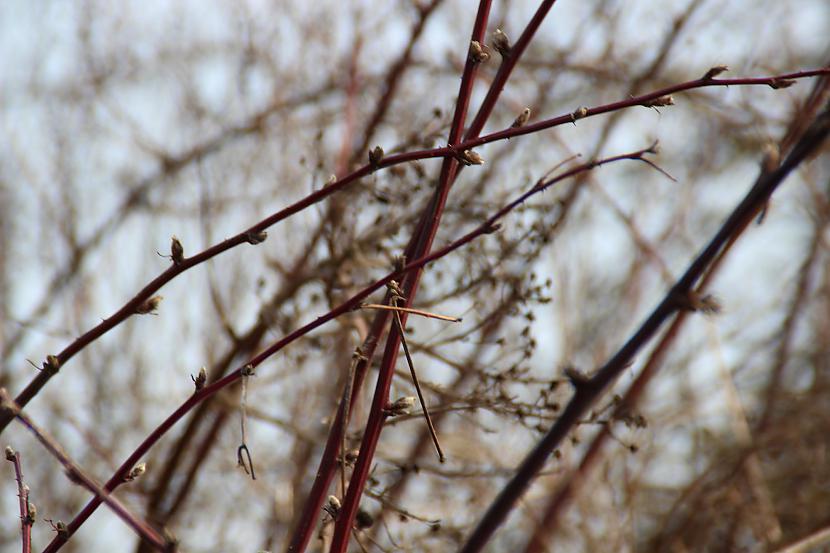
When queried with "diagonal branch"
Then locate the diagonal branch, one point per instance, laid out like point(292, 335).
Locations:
point(588, 391)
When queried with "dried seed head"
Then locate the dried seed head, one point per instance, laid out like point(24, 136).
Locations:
point(10, 453)
point(522, 119)
point(364, 520)
point(395, 288)
point(149, 306)
point(375, 156)
point(692, 301)
point(136, 471)
point(200, 379)
point(400, 407)
point(715, 71)
point(478, 52)
point(332, 506)
point(351, 456)
point(501, 43)
point(708, 305)
point(579, 113)
point(255, 238)
point(471, 157)
point(176, 251)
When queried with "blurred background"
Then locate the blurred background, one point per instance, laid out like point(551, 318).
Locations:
point(126, 123)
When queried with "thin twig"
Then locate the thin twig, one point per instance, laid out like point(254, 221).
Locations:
point(245, 461)
point(28, 512)
point(396, 296)
point(410, 310)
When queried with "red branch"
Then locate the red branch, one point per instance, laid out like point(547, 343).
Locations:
point(251, 234)
point(352, 303)
point(78, 476)
point(27, 511)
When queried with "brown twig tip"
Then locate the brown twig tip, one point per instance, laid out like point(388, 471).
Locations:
point(255, 238)
point(775, 84)
point(200, 379)
point(714, 72)
point(136, 472)
point(149, 306)
point(471, 157)
point(662, 101)
point(653, 149)
point(693, 301)
point(579, 113)
point(522, 119)
point(176, 251)
point(375, 157)
point(501, 43)
point(478, 52)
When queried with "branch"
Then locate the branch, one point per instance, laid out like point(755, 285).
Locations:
point(256, 233)
point(585, 395)
point(487, 227)
point(78, 476)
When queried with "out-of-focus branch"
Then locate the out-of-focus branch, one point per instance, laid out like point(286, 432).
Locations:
point(589, 390)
